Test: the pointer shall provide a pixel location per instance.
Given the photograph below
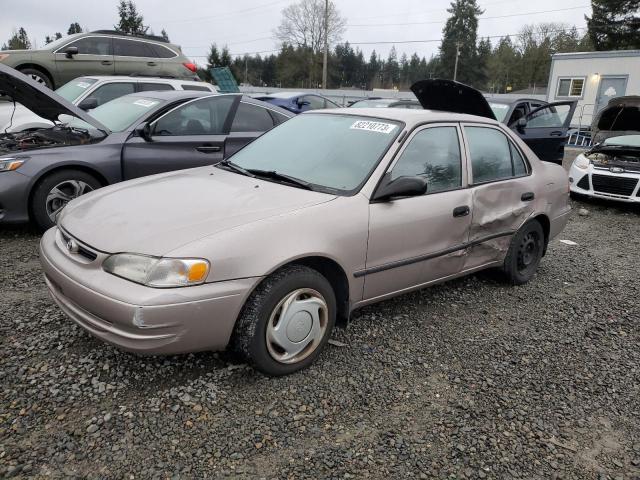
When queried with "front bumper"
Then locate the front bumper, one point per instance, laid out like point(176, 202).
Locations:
point(14, 188)
point(601, 183)
point(137, 318)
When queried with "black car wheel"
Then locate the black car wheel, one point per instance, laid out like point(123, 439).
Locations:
point(53, 193)
point(38, 76)
point(525, 253)
point(287, 321)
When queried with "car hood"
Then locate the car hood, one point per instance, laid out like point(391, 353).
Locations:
point(39, 99)
point(450, 96)
point(158, 214)
point(621, 114)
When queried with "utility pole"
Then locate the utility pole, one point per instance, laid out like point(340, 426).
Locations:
point(326, 44)
point(455, 68)
point(246, 69)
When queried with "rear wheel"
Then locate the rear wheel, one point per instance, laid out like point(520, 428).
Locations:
point(38, 76)
point(286, 321)
point(525, 253)
point(53, 193)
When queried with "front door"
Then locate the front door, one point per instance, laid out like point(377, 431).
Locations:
point(545, 129)
point(416, 240)
point(191, 135)
point(610, 87)
point(94, 57)
point(503, 194)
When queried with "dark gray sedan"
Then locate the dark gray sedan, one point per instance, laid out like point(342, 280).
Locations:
point(133, 136)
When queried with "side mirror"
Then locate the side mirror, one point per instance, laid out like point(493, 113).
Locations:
point(144, 131)
point(400, 187)
point(71, 51)
point(88, 103)
point(303, 103)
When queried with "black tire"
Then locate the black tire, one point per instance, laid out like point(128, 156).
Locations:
point(525, 253)
point(39, 76)
point(38, 206)
point(250, 333)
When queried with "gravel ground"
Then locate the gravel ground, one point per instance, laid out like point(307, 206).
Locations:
point(470, 379)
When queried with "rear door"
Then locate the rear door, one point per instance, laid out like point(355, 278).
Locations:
point(545, 130)
point(135, 57)
point(190, 135)
point(95, 57)
point(249, 123)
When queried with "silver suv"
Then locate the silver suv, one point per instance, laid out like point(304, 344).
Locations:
point(103, 52)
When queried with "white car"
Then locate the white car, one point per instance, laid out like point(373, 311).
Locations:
point(91, 92)
point(610, 169)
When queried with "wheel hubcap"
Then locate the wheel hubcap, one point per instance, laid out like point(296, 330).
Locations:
point(528, 251)
point(62, 194)
point(297, 325)
point(37, 78)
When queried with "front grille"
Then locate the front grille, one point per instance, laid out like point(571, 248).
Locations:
point(614, 185)
point(583, 183)
point(83, 251)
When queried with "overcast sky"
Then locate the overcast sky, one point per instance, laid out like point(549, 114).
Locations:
point(246, 25)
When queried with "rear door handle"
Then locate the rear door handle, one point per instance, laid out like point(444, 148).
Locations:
point(107, 62)
point(152, 64)
point(527, 197)
point(556, 133)
point(208, 149)
point(461, 211)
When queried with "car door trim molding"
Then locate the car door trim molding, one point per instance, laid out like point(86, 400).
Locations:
point(430, 256)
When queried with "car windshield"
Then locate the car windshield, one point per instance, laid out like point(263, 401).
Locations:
point(331, 152)
point(120, 113)
point(72, 90)
point(499, 110)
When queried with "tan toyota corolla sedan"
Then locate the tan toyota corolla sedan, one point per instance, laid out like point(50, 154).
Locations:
point(326, 213)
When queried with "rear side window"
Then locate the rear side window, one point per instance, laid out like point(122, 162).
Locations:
point(110, 91)
point(160, 51)
point(131, 48)
point(200, 117)
point(153, 87)
point(199, 88)
point(250, 118)
point(91, 46)
point(433, 153)
point(278, 117)
point(315, 103)
point(491, 155)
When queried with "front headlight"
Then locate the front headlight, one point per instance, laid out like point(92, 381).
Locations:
point(157, 272)
point(582, 162)
point(8, 164)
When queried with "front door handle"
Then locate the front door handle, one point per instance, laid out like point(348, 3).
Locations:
point(462, 211)
point(208, 149)
point(152, 64)
point(107, 62)
point(556, 133)
point(527, 197)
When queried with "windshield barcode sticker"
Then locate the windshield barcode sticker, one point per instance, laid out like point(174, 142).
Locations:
point(145, 103)
point(379, 127)
point(83, 84)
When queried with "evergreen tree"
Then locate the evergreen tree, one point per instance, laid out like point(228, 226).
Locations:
point(460, 31)
point(74, 28)
point(164, 34)
point(18, 41)
point(615, 24)
point(225, 57)
point(392, 69)
point(484, 54)
point(130, 20)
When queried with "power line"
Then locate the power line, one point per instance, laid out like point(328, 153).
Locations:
point(221, 16)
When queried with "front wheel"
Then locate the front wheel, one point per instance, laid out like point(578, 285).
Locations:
point(525, 253)
point(38, 76)
point(286, 321)
point(53, 193)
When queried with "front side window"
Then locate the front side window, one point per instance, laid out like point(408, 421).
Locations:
point(92, 46)
point(552, 116)
point(334, 153)
point(250, 118)
point(490, 154)
point(433, 153)
point(131, 48)
point(110, 91)
point(205, 116)
point(570, 87)
point(71, 91)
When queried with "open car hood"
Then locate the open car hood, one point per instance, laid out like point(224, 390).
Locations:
point(450, 96)
point(39, 99)
point(621, 114)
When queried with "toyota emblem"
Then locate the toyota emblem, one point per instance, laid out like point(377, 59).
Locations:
point(616, 170)
point(72, 246)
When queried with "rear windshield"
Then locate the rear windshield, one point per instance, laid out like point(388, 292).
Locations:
point(71, 91)
point(372, 103)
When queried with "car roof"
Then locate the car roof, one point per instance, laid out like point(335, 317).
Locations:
point(139, 78)
point(406, 115)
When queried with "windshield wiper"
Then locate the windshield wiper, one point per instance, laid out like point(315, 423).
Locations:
point(273, 175)
point(236, 168)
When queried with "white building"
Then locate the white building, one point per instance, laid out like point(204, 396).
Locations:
point(593, 78)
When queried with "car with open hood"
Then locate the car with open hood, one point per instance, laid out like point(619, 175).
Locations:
point(543, 126)
point(132, 136)
point(268, 250)
point(621, 116)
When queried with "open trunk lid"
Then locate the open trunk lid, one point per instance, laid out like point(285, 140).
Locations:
point(450, 96)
